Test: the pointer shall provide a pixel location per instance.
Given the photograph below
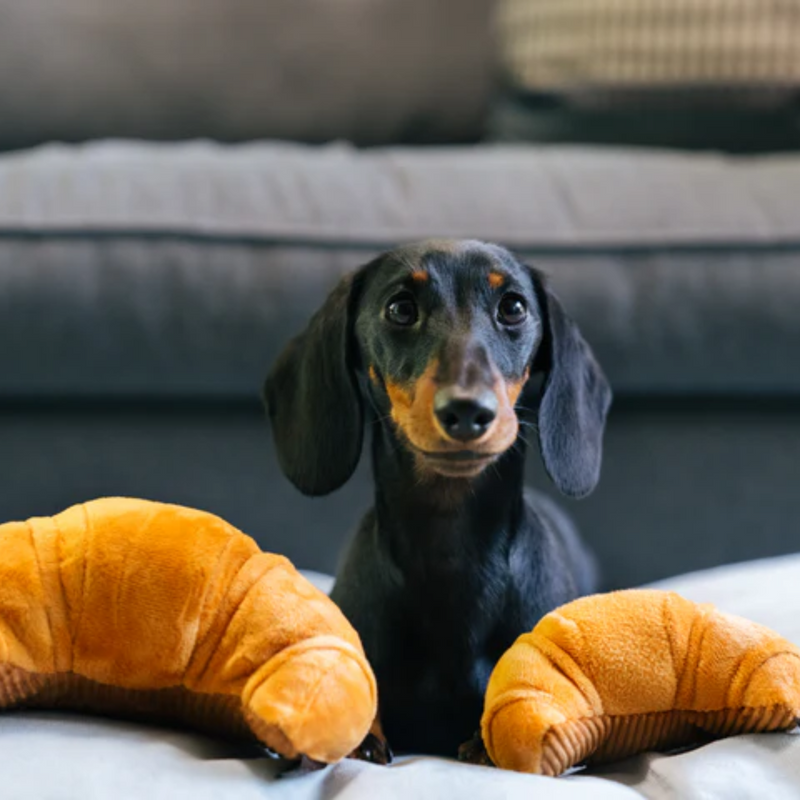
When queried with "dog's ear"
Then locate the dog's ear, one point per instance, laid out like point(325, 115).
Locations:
point(574, 401)
point(313, 400)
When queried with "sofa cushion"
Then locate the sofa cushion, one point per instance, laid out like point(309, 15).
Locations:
point(162, 271)
point(312, 70)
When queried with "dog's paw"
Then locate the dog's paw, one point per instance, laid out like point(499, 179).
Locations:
point(300, 766)
point(474, 752)
point(373, 749)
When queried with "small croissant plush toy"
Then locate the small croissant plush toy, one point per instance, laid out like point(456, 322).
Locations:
point(608, 676)
point(132, 608)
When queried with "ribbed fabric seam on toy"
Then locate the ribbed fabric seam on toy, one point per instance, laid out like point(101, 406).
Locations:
point(608, 738)
point(214, 713)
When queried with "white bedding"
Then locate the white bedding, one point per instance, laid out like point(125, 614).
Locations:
point(51, 756)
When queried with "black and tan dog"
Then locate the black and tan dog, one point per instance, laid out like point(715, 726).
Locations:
point(454, 351)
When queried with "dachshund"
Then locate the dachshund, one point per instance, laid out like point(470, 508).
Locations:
point(453, 351)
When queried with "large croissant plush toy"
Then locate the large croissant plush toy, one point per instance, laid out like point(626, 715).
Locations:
point(132, 608)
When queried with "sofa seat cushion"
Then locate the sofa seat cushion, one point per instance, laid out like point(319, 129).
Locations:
point(180, 270)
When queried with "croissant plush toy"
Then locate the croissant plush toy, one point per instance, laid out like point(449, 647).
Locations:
point(132, 608)
point(608, 676)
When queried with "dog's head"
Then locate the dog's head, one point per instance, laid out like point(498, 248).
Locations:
point(445, 340)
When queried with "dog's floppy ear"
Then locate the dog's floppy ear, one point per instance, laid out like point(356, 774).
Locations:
point(574, 402)
point(313, 400)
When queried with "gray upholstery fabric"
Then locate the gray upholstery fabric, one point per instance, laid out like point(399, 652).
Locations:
point(175, 271)
point(542, 197)
point(371, 71)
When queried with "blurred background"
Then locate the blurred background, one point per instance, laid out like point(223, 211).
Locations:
point(182, 181)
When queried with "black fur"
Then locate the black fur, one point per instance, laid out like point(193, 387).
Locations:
point(574, 402)
point(314, 402)
point(444, 573)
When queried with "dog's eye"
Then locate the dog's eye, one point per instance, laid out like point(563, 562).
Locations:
point(402, 310)
point(512, 310)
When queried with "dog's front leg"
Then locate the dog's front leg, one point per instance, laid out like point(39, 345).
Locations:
point(374, 749)
point(474, 752)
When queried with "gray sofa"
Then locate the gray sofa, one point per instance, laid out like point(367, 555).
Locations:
point(145, 288)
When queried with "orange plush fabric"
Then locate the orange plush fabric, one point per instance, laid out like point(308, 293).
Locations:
point(131, 607)
point(611, 675)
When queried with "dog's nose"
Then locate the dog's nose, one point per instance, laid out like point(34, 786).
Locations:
point(465, 417)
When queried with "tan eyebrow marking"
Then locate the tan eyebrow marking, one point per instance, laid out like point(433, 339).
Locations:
point(373, 376)
point(496, 280)
point(420, 276)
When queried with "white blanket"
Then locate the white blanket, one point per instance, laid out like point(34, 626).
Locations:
point(55, 756)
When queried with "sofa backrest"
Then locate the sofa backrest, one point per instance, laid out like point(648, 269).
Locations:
point(372, 71)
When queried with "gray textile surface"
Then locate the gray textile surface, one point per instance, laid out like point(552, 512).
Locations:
point(373, 71)
point(175, 271)
point(96, 759)
point(685, 485)
point(548, 197)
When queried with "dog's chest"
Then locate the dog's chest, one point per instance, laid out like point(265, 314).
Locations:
point(434, 671)
point(451, 630)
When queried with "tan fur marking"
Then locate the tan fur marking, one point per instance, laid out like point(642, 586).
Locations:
point(496, 280)
point(373, 376)
point(412, 409)
point(400, 398)
point(513, 390)
point(412, 412)
point(420, 276)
